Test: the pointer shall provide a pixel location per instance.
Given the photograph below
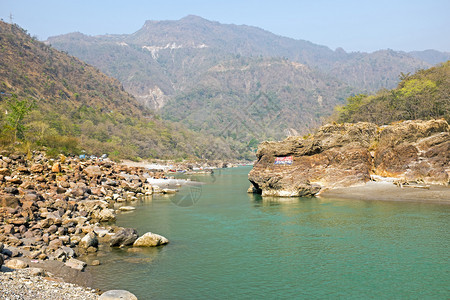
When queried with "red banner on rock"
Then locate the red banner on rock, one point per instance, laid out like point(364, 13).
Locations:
point(286, 160)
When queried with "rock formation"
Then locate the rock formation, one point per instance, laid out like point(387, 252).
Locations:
point(342, 155)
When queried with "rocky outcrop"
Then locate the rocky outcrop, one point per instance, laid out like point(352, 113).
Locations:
point(342, 155)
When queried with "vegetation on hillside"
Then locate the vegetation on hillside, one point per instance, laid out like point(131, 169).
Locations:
point(51, 100)
point(258, 98)
point(423, 95)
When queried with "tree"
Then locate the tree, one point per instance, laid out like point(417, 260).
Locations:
point(346, 113)
point(16, 112)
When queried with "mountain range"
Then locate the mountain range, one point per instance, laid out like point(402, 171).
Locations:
point(237, 81)
point(232, 86)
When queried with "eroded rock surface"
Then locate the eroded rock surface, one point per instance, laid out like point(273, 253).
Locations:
point(342, 155)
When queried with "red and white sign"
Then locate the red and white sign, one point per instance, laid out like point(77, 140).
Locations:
point(285, 160)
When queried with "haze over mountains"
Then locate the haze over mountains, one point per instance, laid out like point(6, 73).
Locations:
point(240, 83)
point(204, 74)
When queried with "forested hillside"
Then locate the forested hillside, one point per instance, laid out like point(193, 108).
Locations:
point(257, 98)
point(53, 100)
point(423, 95)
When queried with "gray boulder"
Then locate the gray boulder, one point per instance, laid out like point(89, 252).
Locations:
point(89, 240)
point(124, 237)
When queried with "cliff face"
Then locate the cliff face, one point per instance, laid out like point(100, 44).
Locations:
point(342, 155)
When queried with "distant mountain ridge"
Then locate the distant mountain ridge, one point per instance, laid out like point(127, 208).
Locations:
point(197, 36)
point(172, 67)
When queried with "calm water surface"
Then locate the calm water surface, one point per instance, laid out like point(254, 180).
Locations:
point(234, 245)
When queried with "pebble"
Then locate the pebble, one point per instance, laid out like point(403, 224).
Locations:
point(20, 284)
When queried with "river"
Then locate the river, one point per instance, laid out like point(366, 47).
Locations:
point(230, 244)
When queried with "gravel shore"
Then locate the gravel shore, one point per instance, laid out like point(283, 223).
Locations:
point(22, 284)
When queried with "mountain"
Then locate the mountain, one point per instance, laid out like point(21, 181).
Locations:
point(258, 98)
point(431, 56)
point(167, 49)
point(66, 105)
point(424, 95)
point(207, 75)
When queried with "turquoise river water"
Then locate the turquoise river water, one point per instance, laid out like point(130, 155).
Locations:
point(230, 245)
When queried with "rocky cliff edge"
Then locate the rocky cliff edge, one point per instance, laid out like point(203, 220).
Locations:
point(344, 155)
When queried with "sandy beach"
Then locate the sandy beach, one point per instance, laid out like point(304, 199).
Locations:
point(385, 191)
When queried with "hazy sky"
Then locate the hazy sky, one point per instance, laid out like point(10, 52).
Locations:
point(359, 25)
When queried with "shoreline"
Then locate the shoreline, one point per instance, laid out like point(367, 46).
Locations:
point(54, 212)
point(385, 191)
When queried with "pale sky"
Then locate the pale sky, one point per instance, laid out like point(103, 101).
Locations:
point(355, 25)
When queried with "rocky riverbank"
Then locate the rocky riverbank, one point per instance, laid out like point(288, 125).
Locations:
point(346, 155)
point(34, 283)
point(53, 212)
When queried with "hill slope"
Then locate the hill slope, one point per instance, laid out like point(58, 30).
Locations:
point(256, 98)
point(78, 107)
point(423, 95)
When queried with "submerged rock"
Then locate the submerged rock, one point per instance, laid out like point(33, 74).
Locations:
point(76, 264)
point(117, 295)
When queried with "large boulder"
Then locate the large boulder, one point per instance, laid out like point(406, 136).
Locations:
point(150, 240)
point(124, 237)
point(342, 155)
point(92, 205)
point(16, 264)
point(76, 264)
point(97, 209)
point(89, 240)
point(104, 215)
point(336, 156)
point(92, 171)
